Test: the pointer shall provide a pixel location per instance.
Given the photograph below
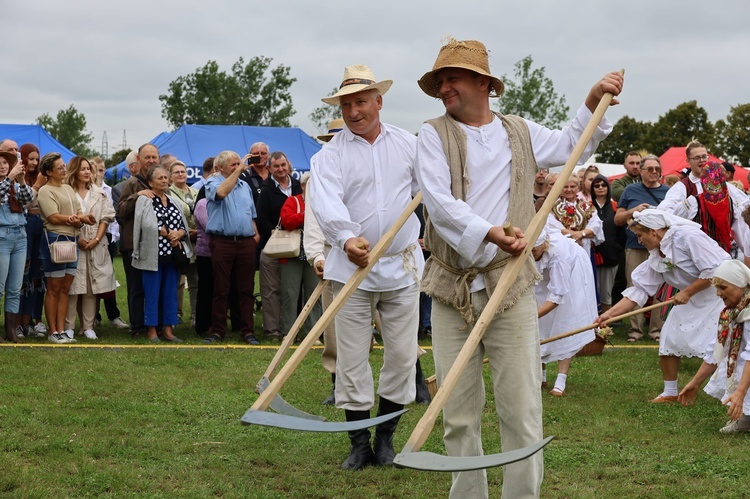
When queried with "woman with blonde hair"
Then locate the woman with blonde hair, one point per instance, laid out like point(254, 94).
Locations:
point(187, 197)
point(94, 274)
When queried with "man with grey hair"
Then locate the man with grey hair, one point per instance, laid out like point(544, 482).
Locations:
point(257, 172)
point(234, 237)
point(8, 145)
point(131, 162)
point(147, 157)
point(363, 181)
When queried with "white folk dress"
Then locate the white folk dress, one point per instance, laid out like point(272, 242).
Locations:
point(689, 255)
point(717, 385)
point(568, 280)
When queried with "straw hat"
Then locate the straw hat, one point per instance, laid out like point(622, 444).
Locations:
point(466, 54)
point(11, 157)
point(357, 78)
point(334, 127)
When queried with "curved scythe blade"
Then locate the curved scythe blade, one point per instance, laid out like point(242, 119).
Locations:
point(264, 418)
point(281, 406)
point(429, 461)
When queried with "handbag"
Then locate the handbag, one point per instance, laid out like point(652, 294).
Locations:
point(180, 258)
point(63, 251)
point(284, 243)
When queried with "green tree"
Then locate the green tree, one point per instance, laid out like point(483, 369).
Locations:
point(117, 157)
point(532, 95)
point(627, 135)
point(324, 114)
point(733, 135)
point(253, 93)
point(69, 128)
point(679, 126)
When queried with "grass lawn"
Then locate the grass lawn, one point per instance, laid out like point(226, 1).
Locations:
point(164, 422)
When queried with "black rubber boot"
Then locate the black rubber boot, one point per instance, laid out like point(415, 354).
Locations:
point(331, 400)
point(383, 444)
point(423, 394)
point(10, 327)
point(360, 453)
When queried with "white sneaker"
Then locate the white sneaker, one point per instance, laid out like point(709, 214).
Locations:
point(118, 322)
point(40, 327)
point(70, 334)
point(90, 334)
point(59, 338)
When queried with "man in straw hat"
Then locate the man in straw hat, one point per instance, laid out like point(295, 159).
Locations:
point(476, 170)
point(362, 181)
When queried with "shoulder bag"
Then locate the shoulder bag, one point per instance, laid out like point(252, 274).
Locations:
point(284, 243)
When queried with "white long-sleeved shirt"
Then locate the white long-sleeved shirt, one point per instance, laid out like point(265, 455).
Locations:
point(464, 224)
point(314, 242)
point(360, 189)
point(678, 203)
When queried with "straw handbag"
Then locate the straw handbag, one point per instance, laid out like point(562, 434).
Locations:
point(284, 243)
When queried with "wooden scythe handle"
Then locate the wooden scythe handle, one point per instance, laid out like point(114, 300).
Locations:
point(508, 278)
point(613, 319)
point(265, 398)
point(292, 334)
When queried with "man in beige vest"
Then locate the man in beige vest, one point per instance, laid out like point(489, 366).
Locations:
point(476, 170)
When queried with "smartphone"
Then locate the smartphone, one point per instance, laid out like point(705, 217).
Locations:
point(253, 160)
point(18, 155)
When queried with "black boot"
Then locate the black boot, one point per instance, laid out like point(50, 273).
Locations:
point(331, 400)
point(423, 394)
point(360, 453)
point(10, 327)
point(383, 443)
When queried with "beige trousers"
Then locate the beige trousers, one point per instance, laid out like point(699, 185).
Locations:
point(399, 311)
point(512, 344)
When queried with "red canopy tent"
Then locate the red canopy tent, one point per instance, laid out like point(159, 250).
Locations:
point(674, 160)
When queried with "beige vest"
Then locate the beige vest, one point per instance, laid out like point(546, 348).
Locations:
point(443, 279)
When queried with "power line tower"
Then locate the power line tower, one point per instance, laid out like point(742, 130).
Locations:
point(105, 146)
point(124, 144)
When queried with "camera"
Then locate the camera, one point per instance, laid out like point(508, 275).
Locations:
point(254, 159)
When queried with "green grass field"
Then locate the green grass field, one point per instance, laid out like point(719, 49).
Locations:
point(158, 421)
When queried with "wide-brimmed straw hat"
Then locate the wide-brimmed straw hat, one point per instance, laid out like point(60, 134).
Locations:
point(357, 78)
point(465, 54)
point(334, 127)
point(11, 157)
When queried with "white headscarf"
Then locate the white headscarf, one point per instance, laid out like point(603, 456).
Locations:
point(734, 272)
point(654, 218)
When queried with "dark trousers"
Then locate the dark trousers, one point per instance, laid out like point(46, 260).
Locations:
point(204, 300)
point(230, 258)
point(135, 292)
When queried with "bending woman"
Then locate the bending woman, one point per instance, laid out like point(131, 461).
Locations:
point(729, 350)
point(566, 300)
point(684, 257)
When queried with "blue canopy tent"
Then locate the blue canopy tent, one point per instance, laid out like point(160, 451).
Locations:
point(192, 144)
point(35, 134)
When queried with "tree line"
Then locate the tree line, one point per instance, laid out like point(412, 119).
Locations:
point(253, 92)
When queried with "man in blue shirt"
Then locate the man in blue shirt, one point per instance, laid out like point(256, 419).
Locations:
point(234, 236)
point(635, 198)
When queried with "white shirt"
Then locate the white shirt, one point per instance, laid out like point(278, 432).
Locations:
point(464, 225)
point(678, 203)
point(314, 242)
point(360, 190)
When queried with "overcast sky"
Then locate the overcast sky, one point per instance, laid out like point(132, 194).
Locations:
point(112, 60)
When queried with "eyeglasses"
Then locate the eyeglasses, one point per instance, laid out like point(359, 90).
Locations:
point(652, 169)
point(699, 158)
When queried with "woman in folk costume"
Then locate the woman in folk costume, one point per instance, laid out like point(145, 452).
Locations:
point(717, 214)
point(681, 255)
point(729, 350)
point(576, 217)
point(566, 300)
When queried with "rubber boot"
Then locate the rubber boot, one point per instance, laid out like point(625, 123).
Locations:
point(331, 400)
point(360, 452)
point(383, 444)
point(10, 327)
point(423, 394)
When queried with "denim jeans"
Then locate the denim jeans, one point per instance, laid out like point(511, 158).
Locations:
point(12, 264)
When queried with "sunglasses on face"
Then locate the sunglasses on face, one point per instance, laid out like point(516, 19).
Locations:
point(596, 186)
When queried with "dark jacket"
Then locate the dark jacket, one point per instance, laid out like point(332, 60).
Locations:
point(611, 249)
point(270, 201)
